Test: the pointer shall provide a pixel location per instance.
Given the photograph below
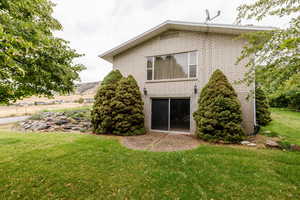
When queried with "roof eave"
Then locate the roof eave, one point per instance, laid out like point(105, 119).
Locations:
point(202, 27)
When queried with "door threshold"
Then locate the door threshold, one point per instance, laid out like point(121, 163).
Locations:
point(173, 132)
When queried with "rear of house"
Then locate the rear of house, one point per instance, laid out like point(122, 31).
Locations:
point(173, 61)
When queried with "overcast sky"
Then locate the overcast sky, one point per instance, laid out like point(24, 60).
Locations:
point(95, 26)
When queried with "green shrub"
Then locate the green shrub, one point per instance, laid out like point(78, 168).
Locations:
point(279, 101)
point(293, 97)
point(219, 116)
point(101, 114)
point(263, 114)
point(285, 145)
point(83, 114)
point(286, 99)
point(128, 108)
point(80, 100)
point(37, 116)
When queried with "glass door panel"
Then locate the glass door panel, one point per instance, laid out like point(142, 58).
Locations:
point(179, 115)
point(160, 114)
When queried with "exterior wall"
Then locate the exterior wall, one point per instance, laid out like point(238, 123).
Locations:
point(215, 51)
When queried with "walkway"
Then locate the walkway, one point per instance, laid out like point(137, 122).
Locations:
point(161, 142)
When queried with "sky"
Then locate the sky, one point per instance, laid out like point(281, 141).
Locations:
point(95, 26)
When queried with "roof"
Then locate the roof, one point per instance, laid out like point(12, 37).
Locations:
point(186, 26)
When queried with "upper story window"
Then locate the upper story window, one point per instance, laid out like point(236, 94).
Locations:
point(172, 66)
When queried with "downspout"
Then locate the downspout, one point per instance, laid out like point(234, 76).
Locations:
point(256, 126)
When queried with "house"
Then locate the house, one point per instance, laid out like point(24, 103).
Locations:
point(174, 60)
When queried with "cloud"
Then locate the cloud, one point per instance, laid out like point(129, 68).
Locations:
point(94, 26)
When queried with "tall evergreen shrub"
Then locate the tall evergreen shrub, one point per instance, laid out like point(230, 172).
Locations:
point(263, 114)
point(128, 108)
point(219, 116)
point(102, 109)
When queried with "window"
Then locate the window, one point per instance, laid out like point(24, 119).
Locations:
point(149, 68)
point(173, 66)
point(193, 64)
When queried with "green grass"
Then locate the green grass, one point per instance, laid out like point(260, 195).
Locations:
point(286, 123)
point(75, 166)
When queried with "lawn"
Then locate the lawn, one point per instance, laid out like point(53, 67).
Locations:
point(78, 166)
point(285, 123)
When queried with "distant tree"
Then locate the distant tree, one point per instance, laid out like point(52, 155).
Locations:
point(102, 111)
point(286, 99)
point(275, 53)
point(128, 108)
point(263, 114)
point(32, 60)
point(219, 116)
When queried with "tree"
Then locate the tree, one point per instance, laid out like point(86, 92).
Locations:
point(275, 52)
point(102, 112)
point(263, 115)
point(128, 108)
point(219, 114)
point(32, 60)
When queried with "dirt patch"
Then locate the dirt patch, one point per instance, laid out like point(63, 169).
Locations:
point(161, 142)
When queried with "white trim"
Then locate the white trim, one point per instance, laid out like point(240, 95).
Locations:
point(174, 132)
point(171, 80)
point(196, 64)
point(197, 55)
point(169, 115)
point(153, 60)
point(149, 68)
point(254, 105)
point(188, 64)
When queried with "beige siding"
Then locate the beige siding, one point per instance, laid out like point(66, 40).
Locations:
point(215, 51)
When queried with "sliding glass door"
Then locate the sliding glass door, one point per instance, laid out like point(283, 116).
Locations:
point(171, 114)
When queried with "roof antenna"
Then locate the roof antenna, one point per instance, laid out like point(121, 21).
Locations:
point(208, 18)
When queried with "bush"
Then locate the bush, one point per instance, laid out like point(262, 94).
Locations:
point(279, 101)
point(128, 108)
point(293, 97)
point(285, 145)
point(101, 113)
point(263, 114)
point(37, 116)
point(286, 99)
point(219, 116)
point(80, 100)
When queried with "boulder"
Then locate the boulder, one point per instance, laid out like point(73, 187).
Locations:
point(295, 147)
point(245, 142)
point(57, 121)
point(43, 127)
point(251, 145)
point(272, 144)
point(76, 128)
point(68, 127)
point(61, 122)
